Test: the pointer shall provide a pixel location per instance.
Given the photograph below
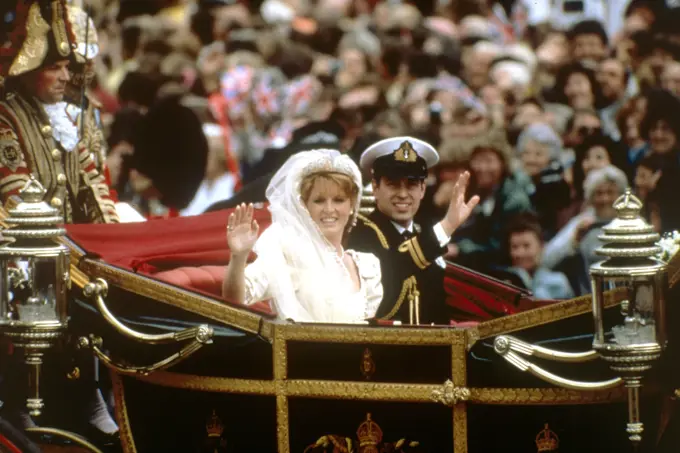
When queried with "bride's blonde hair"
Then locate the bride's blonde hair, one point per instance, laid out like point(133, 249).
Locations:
point(342, 180)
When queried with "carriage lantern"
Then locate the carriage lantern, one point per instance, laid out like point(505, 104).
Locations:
point(631, 265)
point(34, 274)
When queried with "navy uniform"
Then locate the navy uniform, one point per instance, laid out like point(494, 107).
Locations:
point(410, 258)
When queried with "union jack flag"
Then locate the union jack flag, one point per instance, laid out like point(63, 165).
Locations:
point(501, 28)
point(235, 85)
point(300, 93)
point(266, 96)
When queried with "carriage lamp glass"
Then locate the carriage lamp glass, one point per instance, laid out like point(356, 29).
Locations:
point(631, 265)
point(34, 278)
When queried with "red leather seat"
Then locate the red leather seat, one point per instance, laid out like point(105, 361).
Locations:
point(207, 279)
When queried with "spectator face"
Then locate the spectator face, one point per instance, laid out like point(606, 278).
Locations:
point(553, 53)
point(603, 198)
point(525, 250)
point(632, 137)
point(611, 76)
point(476, 68)
point(535, 157)
point(645, 180)
point(527, 114)
point(588, 47)
point(353, 62)
point(661, 138)
point(398, 199)
point(596, 157)
point(487, 169)
point(579, 92)
point(670, 78)
point(584, 124)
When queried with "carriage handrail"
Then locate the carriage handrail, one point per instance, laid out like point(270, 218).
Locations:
point(528, 349)
point(508, 348)
point(95, 344)
point(98, 289)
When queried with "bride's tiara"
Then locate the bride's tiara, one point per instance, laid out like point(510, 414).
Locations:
point(329, 163)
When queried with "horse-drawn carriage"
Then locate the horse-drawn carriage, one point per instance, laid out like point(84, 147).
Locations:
point(192, 372)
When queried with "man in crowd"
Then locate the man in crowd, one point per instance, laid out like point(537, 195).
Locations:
point(410, 256)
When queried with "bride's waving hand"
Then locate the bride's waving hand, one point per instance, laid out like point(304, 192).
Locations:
point(242, 230)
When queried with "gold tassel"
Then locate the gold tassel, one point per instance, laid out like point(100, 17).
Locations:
point(416, 297)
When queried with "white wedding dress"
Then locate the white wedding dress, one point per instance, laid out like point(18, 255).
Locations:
point(354, 308)
point(297, 269)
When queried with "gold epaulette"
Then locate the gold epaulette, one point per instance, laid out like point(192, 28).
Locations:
point(381, 236)
point(413, 247)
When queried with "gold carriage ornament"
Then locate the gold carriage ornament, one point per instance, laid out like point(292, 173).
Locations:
point(34, 274)
point(34, 314)
point(632, 266)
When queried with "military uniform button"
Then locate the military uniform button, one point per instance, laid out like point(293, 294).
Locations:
point(55, 202)
point(61, 179)
point(63, 46)
point(46, 131)
point(56, 154)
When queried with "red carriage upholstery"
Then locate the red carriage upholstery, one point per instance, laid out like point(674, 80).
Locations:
point(191, 252)
point(206, 279)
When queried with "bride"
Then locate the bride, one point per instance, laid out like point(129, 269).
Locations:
point(301, 265)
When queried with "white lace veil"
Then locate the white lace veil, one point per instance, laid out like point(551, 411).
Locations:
point(306, 277)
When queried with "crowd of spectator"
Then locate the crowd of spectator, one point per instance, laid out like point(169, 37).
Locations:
point(555, 107)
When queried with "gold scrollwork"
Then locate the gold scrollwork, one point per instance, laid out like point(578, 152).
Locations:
point(545, 396)
point(450, 395)
point(367, 366)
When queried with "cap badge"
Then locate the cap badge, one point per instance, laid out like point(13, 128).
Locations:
point(405, 153)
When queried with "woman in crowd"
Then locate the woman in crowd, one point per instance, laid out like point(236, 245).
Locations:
point(577, 87)
point(502, 195)
point(301, 265)
point(572, 250)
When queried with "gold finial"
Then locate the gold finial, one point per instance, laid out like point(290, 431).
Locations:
point(33, 191)
point(628, 235)
point(547, 440)
point(628, 206)
point(405, 153)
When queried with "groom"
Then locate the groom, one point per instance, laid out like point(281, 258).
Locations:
point(410, 257)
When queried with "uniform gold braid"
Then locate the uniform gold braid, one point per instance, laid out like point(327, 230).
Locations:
point(376, 228)
point(59, 28)
point(30, 120)
point(418, 258)
point(406, 289)
point(415, 244)
point(93, 137)
point(34, 48)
